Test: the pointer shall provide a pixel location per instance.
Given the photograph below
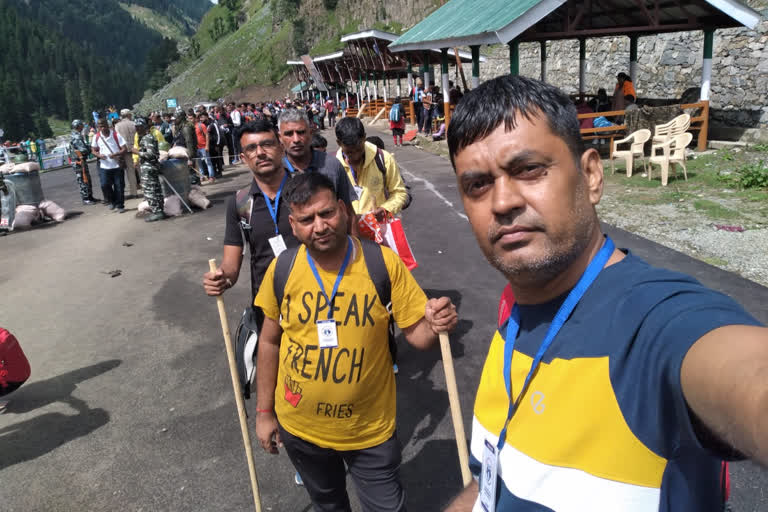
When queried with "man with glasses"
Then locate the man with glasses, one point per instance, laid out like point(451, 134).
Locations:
point(256, 213)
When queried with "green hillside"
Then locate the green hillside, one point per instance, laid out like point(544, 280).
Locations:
point(64, 58)
point(176, 29)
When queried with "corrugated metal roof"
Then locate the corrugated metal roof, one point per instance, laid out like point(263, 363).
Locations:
point(477, 22)
point(466, 19)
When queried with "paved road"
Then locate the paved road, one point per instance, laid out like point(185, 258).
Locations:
point(130, 404)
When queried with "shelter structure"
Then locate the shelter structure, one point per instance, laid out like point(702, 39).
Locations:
point(366, 67)
point(461, 23)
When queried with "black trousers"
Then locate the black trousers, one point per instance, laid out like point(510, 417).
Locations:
point(231, 147)
point(217, 157)
point(375, 472)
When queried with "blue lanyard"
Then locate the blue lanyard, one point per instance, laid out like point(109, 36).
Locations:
point(586, 280)
point(274, 208)
point(354, 174)
point(288, 165)
point(338, 277)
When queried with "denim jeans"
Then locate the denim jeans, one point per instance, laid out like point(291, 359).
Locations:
point(113, 185)
point(205, 161)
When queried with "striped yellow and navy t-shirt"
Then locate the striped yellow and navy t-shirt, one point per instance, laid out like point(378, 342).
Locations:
point(604, 425)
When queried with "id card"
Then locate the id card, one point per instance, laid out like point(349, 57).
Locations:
point(358, 191)
point(488, 477)
point(278, 245)
point(326, 334)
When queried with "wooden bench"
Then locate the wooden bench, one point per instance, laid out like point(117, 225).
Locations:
point(699, 123)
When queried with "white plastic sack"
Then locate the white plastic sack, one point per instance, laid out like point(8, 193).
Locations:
point(26, 214)
point(172, 206)
point(52, 210)
point(143, 207)
point(163, 156)
point(197, 197)
point(178, 152)
point(26, 167)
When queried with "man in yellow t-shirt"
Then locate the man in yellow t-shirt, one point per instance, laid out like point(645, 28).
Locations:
point(376, 192)
point(326, 390)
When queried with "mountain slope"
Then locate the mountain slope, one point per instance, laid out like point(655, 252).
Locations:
point(252, 39)
point(65, 58)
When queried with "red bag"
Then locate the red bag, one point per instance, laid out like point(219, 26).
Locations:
point(14, 367)
point(394, 238)
point(389, 233)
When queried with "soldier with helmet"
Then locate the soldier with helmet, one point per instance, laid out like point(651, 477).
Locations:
point(79, 153)
point(149, 160)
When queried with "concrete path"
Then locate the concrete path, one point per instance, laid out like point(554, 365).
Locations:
point(130, 404)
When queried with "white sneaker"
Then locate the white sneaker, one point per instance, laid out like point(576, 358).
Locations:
point(298, 480)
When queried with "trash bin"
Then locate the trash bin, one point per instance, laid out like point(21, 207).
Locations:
point(29, 190)
point(177, 173)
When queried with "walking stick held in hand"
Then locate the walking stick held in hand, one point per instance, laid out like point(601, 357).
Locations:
point(238, 394)
point(453, 399)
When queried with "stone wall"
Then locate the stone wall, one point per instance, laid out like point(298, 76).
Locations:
point(668, 64)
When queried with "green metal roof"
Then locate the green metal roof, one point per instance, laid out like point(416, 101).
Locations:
point(475, 21)
point(298, 88)
point(478, 22)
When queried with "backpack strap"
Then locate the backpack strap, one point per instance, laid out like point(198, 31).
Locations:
point(377, 269)
point(379, 159)
point(244, 207)
point(283, 268)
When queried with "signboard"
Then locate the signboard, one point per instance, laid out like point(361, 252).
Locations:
point(316, 76)
point(170, 103)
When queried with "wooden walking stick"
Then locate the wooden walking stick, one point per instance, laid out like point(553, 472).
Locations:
point(238, 394)
point(453, 399)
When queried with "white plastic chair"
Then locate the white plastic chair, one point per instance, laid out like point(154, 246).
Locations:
point(677, 126)
point(673, 153)
point(638, 140)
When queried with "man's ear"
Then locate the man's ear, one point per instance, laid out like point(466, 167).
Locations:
point(292, 221)
point(592, 168)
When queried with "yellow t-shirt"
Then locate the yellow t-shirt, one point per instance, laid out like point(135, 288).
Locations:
point(389, 193)
point(340, 398)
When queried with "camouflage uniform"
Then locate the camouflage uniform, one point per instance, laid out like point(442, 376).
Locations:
point(149, 161)
point(80, 164)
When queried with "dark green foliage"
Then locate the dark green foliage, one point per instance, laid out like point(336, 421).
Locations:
point(330, 4)
point(157, 63)
point(299, 40)
point(284, 10)
point(65, 58)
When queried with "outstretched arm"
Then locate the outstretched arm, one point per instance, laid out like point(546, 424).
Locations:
point(724, 377)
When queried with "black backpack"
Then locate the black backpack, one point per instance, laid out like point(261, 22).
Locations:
point(379, 158)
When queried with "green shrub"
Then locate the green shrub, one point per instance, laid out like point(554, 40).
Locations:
point(753, 176)
point(747, 176)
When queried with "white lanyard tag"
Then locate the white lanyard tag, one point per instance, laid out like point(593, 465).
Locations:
point(358, 191)
point(488, 477)
point(278, 244)
point(326, 334)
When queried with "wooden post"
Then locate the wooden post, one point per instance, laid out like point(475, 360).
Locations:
point(514, 57)
point(444, 76)
point(475, 65)
point(633, 59)
point(703, 133)
point(706, 65)
point(582, 67)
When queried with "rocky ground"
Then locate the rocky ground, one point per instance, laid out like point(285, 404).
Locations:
point(709, 217)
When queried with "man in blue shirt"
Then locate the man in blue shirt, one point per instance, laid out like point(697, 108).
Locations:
point(613, 385)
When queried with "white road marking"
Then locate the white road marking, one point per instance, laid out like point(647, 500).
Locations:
point(429, 186)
